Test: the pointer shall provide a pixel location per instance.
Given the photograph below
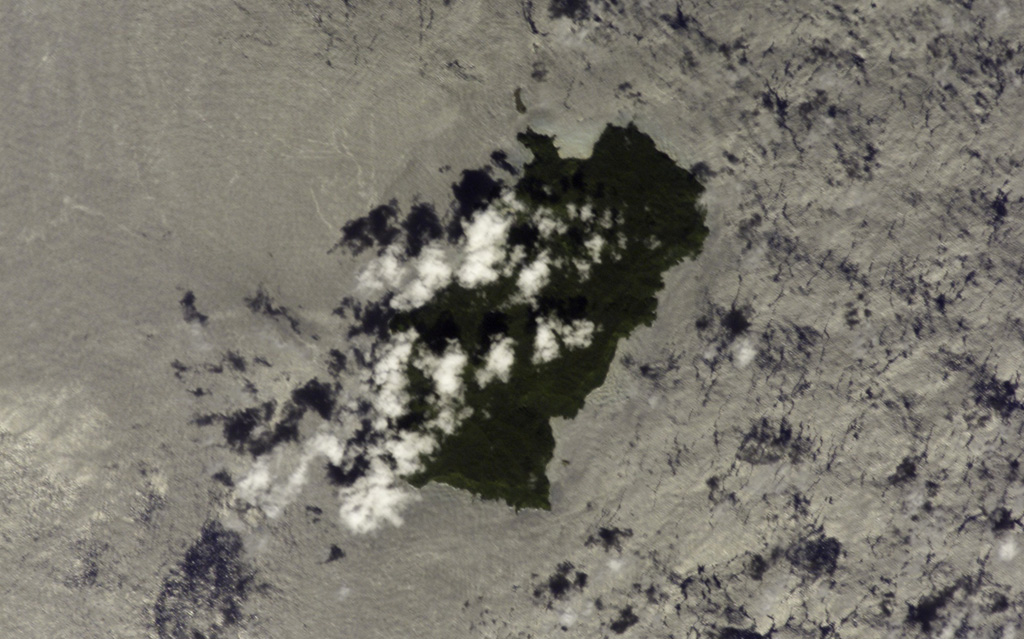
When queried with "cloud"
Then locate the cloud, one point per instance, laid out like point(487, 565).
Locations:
point(384, 273)
point(545, 344)
point(551, 332)
point(407, 448)
point(534, 276)
point(415, 281)
point(377, 497)
point(513, 259)
point(256, 482)
point(594, 246)
point(387, 388)
point(743, 353)
point(268, 483)
point(548, 224)
point(579, 334)
point(513, 203)
point(445, 370)
point(374, 499)
point(432, 275)
point(448, 374)
point(498, 362)
point(375, 462)
point(329, 446)
point(484, 247)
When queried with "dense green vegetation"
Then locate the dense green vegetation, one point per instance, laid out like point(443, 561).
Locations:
point(644, 208)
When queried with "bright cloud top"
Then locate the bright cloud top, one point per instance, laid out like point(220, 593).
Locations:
point(269, 484)
point(498, 362)
point(534, 277)
point(552, 334)
point(484, 248)
point(432, 274)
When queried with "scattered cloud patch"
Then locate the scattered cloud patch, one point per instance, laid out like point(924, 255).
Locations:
point(387, 387)
point(275, 480)
point(260, 489)
point(594, 245)
point(447, 374)
point(408, 449)
point(743, 353)
point(534, 277)
point(450, 300)
point(386, 273)
point(376, 498)
point(328, 446)
point(578, 334)
point(545, 344)
point(553, 333)
point(548, 224)
point(432, 274)
point(371, 464)
point(484, 248)
point(498, 362)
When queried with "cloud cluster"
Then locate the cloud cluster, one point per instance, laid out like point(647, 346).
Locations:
point(432, 275)
point(386, 387)
point(552, 334)
point(534, 276)
point(545, 344)
point(446, 372)
point(484, 248)
point(578, 334)
point(480, 258)
point(498, 362)
point(270, 486)
point(380, 453)
point(387, 272)
point(374, 499)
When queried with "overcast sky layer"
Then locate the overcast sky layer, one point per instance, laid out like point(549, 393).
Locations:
point(820, 436)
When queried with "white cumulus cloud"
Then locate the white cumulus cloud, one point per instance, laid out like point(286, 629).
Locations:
point(432, 275)
point(578, 334)
point(270, 484)
point(534, 276)
point(743, 353)
point(384, 273)
point(485, 247)
point(406, 450)
point(374, 499)
point(387, 388)
point(545, 344)
point(498, 362)
point(379, 496)
point(548, 224)
point(553, 333)
point(594, 245)
point(448, 374)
